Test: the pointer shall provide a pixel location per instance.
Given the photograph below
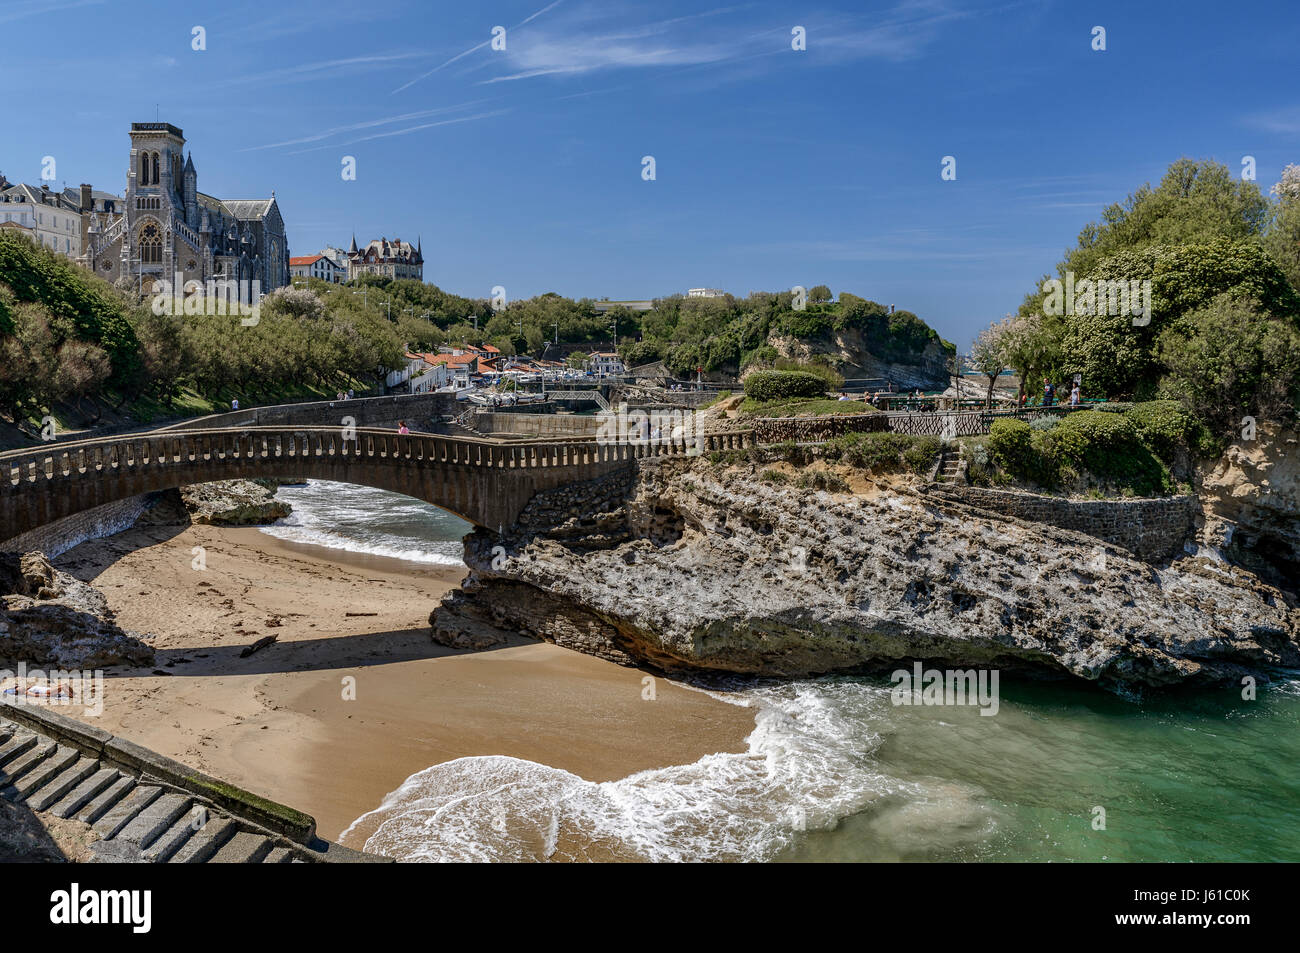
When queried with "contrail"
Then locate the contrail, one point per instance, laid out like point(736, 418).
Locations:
point(472, 49)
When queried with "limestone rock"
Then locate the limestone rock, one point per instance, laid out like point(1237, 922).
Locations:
point(1251, 503)
point(48, 617)
point(689, 567)
point(233, 503)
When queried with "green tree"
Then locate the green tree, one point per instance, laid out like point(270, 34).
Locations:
point(1229, 359)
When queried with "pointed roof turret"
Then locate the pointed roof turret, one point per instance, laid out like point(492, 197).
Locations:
point(352, 249)
point(189, 162)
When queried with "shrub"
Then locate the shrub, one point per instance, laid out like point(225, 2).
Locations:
point(1044, 423)
point(774, 476)
point(1108, 446)
point(1166, 427)
point(920, 456)
point(783, 385)
point(883, 452)
point(728, 457)
point(834, 380)
point(822, 480)
point(790, 452)
point(979, 468)
point(1009, 445)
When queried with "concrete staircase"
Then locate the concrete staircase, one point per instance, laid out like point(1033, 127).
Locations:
point(950, 469)
point(135, 817)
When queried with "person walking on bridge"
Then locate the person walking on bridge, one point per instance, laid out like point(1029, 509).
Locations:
point(401, 427)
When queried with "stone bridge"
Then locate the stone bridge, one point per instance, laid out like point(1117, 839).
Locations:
point(487, 482)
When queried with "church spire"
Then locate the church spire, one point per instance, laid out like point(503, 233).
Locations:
point(352, 249)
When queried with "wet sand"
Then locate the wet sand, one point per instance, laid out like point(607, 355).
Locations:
point(354, 696)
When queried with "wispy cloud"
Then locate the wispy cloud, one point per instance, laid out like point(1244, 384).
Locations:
point(901, 34)
point(20, 9)
point(478, 46)
point(324, 69)
point(1285, 121)
point(570, 47)
point(590, 40)
point(402, 132)
point(366, 124)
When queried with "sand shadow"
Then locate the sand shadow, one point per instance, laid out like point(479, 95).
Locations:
point(88, 560)
point(326, 653)
point(24, 839)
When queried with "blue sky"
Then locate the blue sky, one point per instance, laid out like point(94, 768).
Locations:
point(774, 167)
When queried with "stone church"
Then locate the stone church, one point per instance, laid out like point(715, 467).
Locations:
point(168, 226)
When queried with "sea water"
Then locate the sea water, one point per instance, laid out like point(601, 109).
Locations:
point(834, 770)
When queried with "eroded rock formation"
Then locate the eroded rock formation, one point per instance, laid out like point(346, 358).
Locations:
point(234, 503)
point(686, 566)
point(1251, 503)
point(50, 618)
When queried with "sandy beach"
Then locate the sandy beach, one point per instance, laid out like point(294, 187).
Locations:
point(354, 696)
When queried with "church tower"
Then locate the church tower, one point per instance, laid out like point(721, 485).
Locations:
point(190, 192)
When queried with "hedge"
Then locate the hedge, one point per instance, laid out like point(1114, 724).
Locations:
point(883, 452)
point(783, 385)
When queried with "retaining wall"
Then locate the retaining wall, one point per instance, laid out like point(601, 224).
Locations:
point(1150, 529)
point(816, 429)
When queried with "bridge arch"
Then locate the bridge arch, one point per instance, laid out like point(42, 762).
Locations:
point(486, 482)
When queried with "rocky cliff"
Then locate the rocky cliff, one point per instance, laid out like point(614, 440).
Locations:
point(850, 355)
point(50, 618)
point(1251, 504)
point(686, 566)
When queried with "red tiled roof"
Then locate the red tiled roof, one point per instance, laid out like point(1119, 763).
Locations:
point(449, 358)
point(306, 260)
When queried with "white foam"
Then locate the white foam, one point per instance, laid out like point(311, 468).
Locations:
point(808, 765)
point(361, 519)
point(317, 537)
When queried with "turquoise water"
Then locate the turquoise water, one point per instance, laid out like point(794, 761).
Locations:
point(1189, 778)
point(834, 771)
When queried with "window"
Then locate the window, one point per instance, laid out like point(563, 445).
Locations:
point(150, 245)
point(154, 178)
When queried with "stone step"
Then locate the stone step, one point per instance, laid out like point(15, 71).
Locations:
point(105, 799)
point(7, 729)
point(59, 760)
point(150, 823)
point(171, 840)
point(29, 759)
point(205, 842)
point(80, 796)
point(17, 744)
point(59, 786)
point(244, 848)
point(279, 855)
point(125, 810)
